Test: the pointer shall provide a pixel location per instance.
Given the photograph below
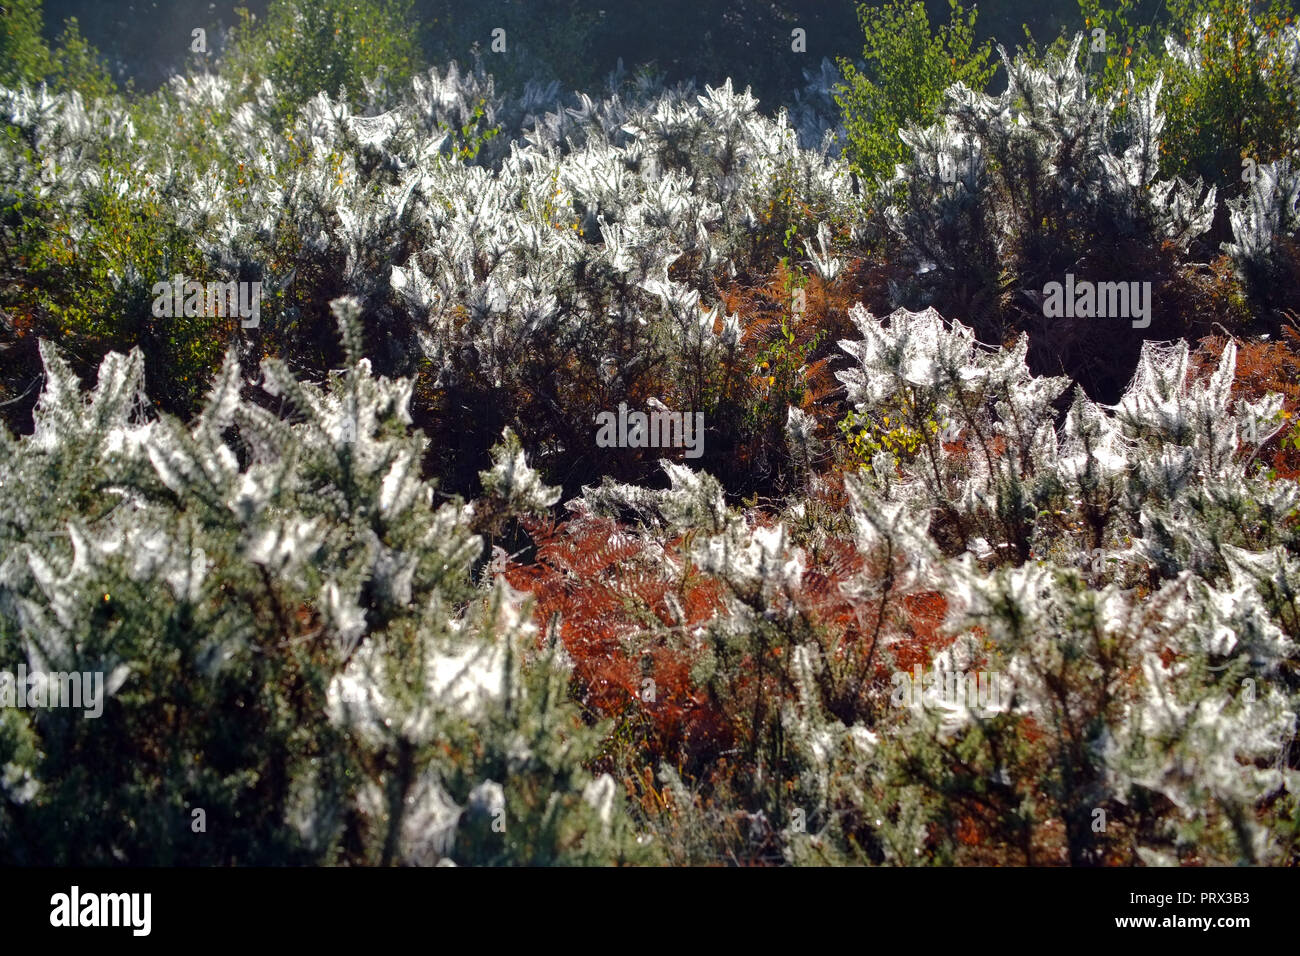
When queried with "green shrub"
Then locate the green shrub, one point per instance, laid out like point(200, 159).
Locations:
point(909, 67)
point(87, 282)
point(326, 46)
point(1230, 95)
point(1229, 80)
point(76, 65)
point(25, 57)
point(291, 640)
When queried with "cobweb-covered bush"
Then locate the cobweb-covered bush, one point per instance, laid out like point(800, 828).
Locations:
point(1047, 177)
point(1126, 575)
point(301, 640)
point(291, 635)
point(533, 258)
point(1127, 571)
point(1265, 226)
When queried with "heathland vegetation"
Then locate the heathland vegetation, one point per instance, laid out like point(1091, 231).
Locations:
point(625, 470)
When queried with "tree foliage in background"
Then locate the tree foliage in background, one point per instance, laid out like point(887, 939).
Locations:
point(330, 46)
point(25, 57)
point(909, 65)
point(1230, 79)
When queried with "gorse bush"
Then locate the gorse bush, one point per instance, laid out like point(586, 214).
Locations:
point(1005, 194)
point(568, 309)
point(1265, 228)
point(1128, 573)
point(294, 641)
point(1046, 150)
